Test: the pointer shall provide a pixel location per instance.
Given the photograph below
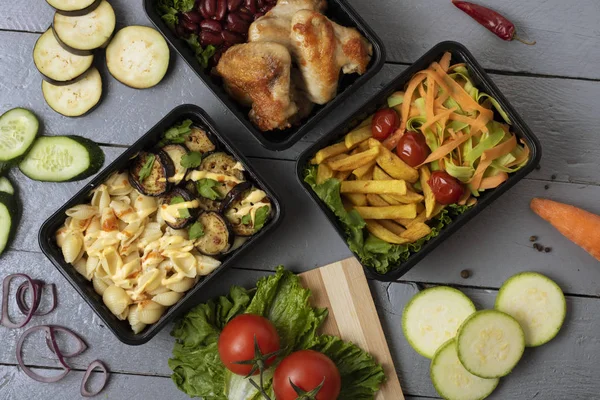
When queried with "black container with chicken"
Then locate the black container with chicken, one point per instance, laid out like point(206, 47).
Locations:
point(287, 98)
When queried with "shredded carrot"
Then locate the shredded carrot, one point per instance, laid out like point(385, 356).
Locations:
point(522, 157)
point(490, 155)
point(446, 148)
point(392, 141)
point(456, 91)
point(422, 90)
point(429, 99)
point(437, 118)
point(493, 181)
point(445, 61)
point(408, 95)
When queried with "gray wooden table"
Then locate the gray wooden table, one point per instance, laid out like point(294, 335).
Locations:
point(555, 85)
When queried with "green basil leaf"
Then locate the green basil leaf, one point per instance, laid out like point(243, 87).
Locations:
point(205, 189)
point(191, 159)
point(261, 216)
point(176, 134)
point(147, 167)
point(196, 230)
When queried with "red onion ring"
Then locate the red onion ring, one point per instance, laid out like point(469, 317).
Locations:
point(45, 379)
point(22, 300)
point(4, 318)
point(82, 345)
point(54, 301)
point(95, 364)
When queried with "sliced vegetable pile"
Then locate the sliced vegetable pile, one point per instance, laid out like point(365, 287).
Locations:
point(137, 56)
point(36, 289)
point(470, 350)
point(402, 175)
point(45, 158)
point(215, 338)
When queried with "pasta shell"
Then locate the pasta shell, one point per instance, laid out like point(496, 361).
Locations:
point(61, 234)
point(82, 211)
point(134, 320)
point(145, 205)
point(149, 312)
point(94, 225)
point(167, 299)
point(206, 265)
point(80, 267)
point(111, 261)
point(182, 285)
point(79, 225)
point(90, 267)
point(101, 198)
point(72, 246)
point(177, 232)
point(99, 285)
point(158, 290)
point(109, 221)
point(117, 300)
point(124, 211)
point(149, 281)
point(118, 184)
point(185, 264)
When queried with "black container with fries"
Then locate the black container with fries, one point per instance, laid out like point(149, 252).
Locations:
point(392, 224)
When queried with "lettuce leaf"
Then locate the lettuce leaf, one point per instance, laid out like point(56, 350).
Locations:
point(373, 252)
point(197, 368)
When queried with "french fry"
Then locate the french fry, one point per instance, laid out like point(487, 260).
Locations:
point(376, 187)
point(329, 151)
point(391, 226)
point(342, 175)
point(366, 122)
point(392, 164)
point(323, 173)
point(406, 222)
point(364, 146)
point(357, 136)
point(355, 161)
point(416, 232)
point(388, 212)
point(363, 172)
point(376, 200)
point(336, 158)
point(429, 197)
point(384, 234)
point(408, 198)
point(357, 199)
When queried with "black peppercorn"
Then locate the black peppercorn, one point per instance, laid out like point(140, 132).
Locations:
point(465, 273)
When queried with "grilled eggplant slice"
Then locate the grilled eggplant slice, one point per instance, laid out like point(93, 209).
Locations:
point(222, 163)
point(185, 215)
point(205, 204)
point(150, 173)
point(247, 209)
point(200, 140)
point(218, 235)
point(176, 152)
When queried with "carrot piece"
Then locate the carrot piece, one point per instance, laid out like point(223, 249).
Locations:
point(579, 226)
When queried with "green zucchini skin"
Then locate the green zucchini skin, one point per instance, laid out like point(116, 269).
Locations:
point(96, 157)
point(14, 212)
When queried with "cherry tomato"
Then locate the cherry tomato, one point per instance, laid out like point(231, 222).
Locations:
point(307, 369)
point(384, 122)
point(236, 342)
point(413, 148)
point(446, 188)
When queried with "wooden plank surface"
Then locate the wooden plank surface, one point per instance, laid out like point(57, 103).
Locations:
point(568, 43)
point(342, 288)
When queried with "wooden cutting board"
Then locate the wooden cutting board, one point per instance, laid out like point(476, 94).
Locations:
point(342, 288)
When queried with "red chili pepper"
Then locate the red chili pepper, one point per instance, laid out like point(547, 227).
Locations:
point(493, 21)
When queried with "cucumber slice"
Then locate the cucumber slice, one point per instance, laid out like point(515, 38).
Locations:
point(433, 316)
point(452, 381)
point(55, 63)
point(490, 343)
point(18, 129)
point(77, 98)
point(537, 302)
point(86, 32)
point(9, 215)
point(62, 159)
point(138, 56)
point(6, 186)
point(74, 7)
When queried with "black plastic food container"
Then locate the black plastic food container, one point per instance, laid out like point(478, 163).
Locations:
point(481, 81)
point(339, 11)
point(122, 329)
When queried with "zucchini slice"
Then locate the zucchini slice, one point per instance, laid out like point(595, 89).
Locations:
point(176, 152)
point(57, 64)
point(247, 209)
point(75, 99)
point(18, 129)
point(86, 32)
point(490, 343)
point(138, 56)
point(218, 236)
point(200, 140)
point(184, 216)
point(452, 381)
point(62, 159)
point(433, 316)
point(9, 216)
point(537, 302)
point(150, 172)
point(6, 186)
point(74, 7)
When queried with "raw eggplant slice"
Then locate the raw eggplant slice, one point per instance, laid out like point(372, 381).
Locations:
point(218, 236)
point(184, 216)
point(247, 209)
point(156, 169)
point(18, 129)
point(74, 7)
point(55, 63)
point(85, 32)
point(200, 140)
point(62, 159)
point(176, 152)
point(77, 98)
point(138, 56)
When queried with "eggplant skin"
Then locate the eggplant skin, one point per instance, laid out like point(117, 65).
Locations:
point(222, 163)
point(157, 184)
point(187, 196)
point(234, 195)
point(218, 234)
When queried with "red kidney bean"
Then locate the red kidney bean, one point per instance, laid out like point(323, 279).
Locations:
point(211, 25)
point(221, 9)
point(261, 3)
point(193, 16)
point(245, 15)
point(204, 10)
point(180, 31)
point(236, 24)
point(233, 5)
point(207, 37)
point(250, 5)
point(231, 37)
point(188, 25)
point(211, 7)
